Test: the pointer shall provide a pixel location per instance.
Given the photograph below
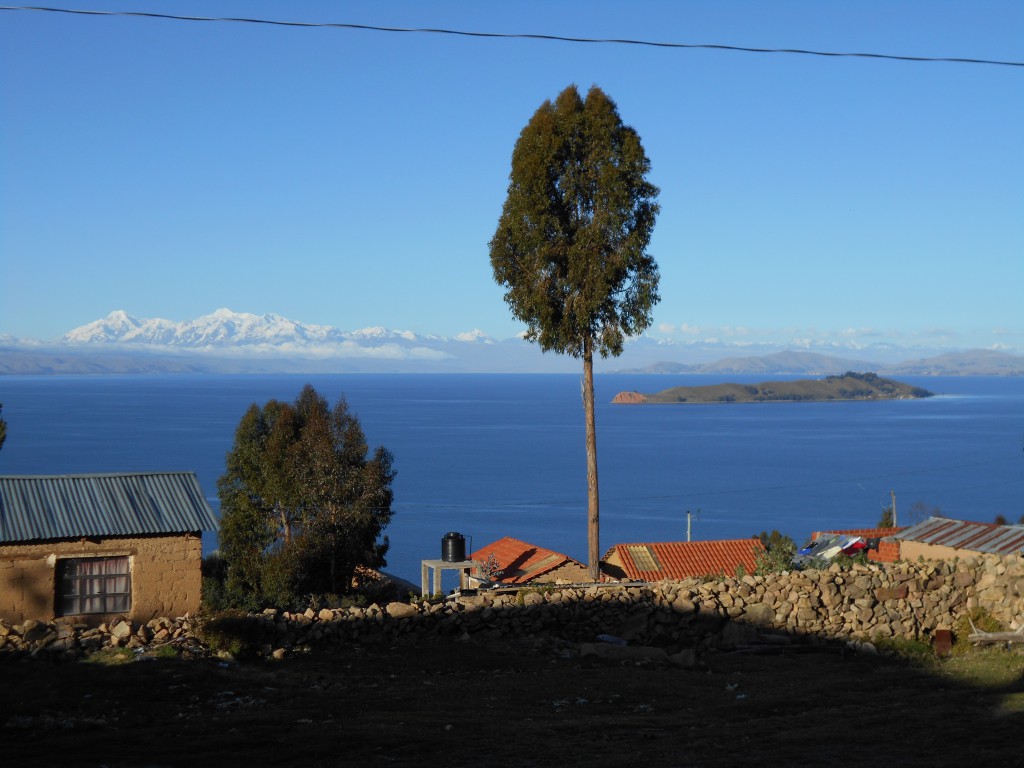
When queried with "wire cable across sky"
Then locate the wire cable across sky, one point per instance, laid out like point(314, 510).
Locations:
point(521, 36)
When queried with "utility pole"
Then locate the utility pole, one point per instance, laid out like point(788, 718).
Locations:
point(689, 519)
point(892, 495)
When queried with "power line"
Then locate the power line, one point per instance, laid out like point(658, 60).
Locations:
point(520, 36)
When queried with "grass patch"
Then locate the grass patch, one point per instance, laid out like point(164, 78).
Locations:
point(110, 657)
point(917, 651)
point(991, 668)
point(165, 651)
point(1013, 704)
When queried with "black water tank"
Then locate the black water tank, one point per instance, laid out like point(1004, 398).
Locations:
point(453, 547)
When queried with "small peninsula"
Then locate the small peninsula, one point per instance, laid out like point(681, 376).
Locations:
point(849, 386)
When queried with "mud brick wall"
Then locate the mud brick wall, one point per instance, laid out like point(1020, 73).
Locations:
point(166, 577)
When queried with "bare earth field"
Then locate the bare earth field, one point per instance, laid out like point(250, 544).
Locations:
point(473, 703)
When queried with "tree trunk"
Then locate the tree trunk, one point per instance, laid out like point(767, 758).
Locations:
point(593, 504)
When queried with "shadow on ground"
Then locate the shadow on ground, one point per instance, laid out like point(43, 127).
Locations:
point(517, 703)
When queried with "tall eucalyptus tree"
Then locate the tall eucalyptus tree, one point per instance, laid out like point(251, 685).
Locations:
point(570, 248)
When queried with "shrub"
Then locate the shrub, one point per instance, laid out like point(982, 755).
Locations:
point(232, 632)
point(778, 554)
point(214, 595)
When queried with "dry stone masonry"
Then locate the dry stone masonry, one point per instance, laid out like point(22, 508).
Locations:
point(672, 619)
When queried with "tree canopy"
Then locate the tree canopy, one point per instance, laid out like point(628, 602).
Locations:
point(302, 502)
point(3, 428)
point(570, 248)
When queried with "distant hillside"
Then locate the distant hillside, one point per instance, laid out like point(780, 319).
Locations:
point(973, 362)
point(849, 386)
point(789, 361)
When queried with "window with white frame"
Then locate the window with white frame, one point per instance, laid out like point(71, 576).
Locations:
point(94, 585)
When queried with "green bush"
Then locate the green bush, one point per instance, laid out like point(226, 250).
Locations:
point(233, 632)
point(778, 554)
point(214, 594)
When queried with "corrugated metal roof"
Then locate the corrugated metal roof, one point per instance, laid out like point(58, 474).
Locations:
point(65, 506)
point(683, 559)
point(964, 534)
point(521, 562)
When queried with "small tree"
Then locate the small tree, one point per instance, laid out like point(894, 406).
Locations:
point(570, 246)
point(885, 521)
point(778, 553)
point(3, 428)
point(302, 505)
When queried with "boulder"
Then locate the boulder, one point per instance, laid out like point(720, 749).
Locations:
point(401, 610)
point(759, 614)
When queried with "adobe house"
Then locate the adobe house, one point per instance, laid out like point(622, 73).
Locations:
point(939, 538)
point(522, 563)
point(87, 548)
point(680, 559)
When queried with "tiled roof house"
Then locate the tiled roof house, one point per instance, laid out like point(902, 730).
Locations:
point(93, 547)
point(680, 559)
point(523, 563)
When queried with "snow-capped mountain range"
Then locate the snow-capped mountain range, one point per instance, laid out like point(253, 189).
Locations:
point(237, 342)
point(225, 328)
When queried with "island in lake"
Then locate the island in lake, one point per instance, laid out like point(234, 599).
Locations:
point(849, 386)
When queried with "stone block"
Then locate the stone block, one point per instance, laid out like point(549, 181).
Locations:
point(397, 610)
point(891, 593)
point(759, 614)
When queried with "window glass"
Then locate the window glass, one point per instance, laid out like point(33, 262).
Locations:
point(94, 585)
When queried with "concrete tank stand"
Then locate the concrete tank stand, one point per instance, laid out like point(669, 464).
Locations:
point(463, 566)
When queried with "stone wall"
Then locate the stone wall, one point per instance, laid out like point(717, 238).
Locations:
point(905, 600)
point(166, 575)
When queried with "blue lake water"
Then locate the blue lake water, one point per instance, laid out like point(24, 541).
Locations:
point(496, 455)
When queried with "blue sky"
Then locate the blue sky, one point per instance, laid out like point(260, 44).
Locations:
point(354, 178)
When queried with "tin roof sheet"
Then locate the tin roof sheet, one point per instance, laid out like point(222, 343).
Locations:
point(684, 559)
point(965, 534)
point(34, 507)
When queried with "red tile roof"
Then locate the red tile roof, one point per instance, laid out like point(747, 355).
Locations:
point(521, 562)
point(684, 559)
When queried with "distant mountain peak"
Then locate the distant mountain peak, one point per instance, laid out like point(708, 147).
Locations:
point(476, 335)
point(225, 328)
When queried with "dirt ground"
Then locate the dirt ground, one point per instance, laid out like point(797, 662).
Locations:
point(473, 703)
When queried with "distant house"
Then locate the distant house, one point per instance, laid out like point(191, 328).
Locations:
point(680, 559)
point(521, 563)
point(882, 548)
point(939, 538)
point(91, 547)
